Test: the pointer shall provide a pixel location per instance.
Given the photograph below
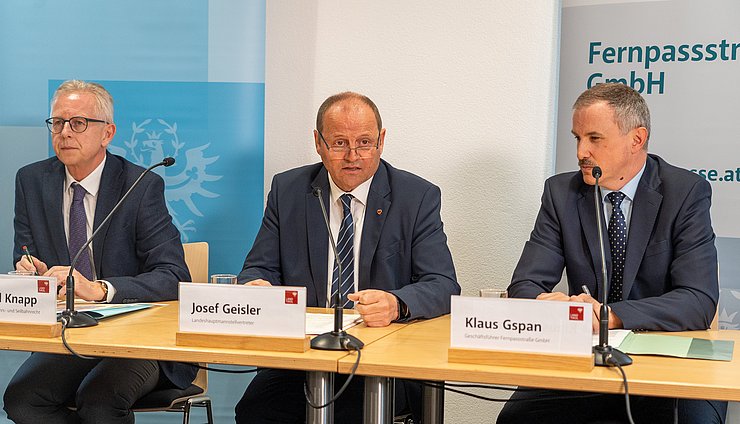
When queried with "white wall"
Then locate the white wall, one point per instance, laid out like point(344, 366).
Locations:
point(467, 91)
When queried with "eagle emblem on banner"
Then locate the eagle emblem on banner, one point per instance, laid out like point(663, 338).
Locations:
point(153, 139)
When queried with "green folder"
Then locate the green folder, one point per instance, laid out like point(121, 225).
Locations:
point(681, 347)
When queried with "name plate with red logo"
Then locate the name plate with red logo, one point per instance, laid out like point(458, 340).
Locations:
point(28, 299)
point(521, 325)
point(277, 311)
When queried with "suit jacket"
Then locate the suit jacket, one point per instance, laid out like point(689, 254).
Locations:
point(403, 248)
point(670, 276)
point(138, 251)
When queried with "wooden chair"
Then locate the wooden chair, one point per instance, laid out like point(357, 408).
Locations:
point(196, 258)
point(182, 400)
point(179, 400)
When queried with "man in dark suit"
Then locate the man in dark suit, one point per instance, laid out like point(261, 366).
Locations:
point(136, 257)
point(664, 278)
point(388, 228)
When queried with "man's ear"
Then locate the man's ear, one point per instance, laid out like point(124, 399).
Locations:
point(639, 139)
point(110, 131)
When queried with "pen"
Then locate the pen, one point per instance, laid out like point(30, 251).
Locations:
point(586, 290)
point(29, 258)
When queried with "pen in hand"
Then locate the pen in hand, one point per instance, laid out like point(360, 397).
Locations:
point(28, 257)
point(586, 290)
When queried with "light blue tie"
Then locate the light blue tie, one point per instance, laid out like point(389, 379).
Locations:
point(345, 247)
point(617, 244)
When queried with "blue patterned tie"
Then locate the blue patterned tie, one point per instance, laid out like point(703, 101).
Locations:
point(78, 231)
point(617, 244)
point(345, 247)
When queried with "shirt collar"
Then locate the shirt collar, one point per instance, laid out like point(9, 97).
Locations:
point(91, 183)
point(360, 192)
point(630, 188)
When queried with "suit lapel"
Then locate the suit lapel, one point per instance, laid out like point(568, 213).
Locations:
point(587, 213)
point(110, 191)
point(318, 236)
point(376, 210)
point(54, 187)
point(645, 210)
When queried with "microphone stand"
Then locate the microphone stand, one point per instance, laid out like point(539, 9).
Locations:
point(338, 339)
point(604, 355)
point(72, 318)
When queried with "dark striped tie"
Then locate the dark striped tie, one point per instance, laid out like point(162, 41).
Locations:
point(617, 244)
point(78, 231)
point(345, 247)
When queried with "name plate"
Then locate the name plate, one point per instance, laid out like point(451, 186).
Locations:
point(28, 299)
point(521, 325)
point(277, 311)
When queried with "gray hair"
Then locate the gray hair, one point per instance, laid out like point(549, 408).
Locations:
point(332, 100)
point(630, 109)
point(103, 99)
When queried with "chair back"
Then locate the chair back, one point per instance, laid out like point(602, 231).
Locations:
point(715, 321)
point(196, 258)
point(201, 379)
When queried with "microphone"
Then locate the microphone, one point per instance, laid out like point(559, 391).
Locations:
point(72, 318)
point(604, 355)
point(337, 339)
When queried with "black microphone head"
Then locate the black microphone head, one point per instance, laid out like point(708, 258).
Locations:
point(316, 191)
point(596, 172)
point(168, 161)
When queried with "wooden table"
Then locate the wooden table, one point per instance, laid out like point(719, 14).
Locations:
point(419, 351)
point(150, 334)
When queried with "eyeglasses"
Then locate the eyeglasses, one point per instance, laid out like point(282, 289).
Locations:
point(77, 124)
point(341, 147)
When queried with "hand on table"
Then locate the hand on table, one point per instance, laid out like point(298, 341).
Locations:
point(378, 308)
point(259, 282)
point(84, 288)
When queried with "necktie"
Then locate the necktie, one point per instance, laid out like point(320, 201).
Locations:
point(78, 231)
point(345, 247)
point(617, 244)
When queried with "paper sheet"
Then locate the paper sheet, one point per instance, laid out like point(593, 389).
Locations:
point(615, 337)
point(323, 323)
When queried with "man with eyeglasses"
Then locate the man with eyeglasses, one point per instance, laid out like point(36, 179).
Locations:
point(137, 257)
point(391, 242)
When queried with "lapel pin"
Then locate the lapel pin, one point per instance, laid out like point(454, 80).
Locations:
point(379, 211)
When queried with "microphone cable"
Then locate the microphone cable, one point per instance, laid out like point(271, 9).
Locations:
point(307, 393)
point(610, 360)
point(221, 370)
point(65, 320)
point(675, 411)
point(444, 386)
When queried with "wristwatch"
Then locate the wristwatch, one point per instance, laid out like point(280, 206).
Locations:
point(105, 291)
point(403, 310)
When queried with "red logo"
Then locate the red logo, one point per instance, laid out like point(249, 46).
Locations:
point(43, 286)
point(576, 313)
point(291, 297)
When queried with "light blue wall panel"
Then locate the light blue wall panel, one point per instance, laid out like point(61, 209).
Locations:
point(187, 78)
